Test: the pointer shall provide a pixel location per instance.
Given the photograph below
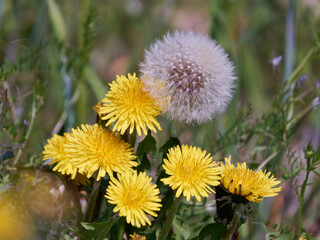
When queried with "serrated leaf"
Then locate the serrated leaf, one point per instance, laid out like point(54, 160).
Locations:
point(215, 230)
point(287, 236)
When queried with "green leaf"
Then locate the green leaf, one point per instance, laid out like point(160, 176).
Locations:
point(215, 230)
point(181, 227)
point(57, 20)
point(66, 237)
point(172, 142)
point(148, 145)
point(95, 82)
point(287, 236)
point(151, 236)
point(93, 226)
point(89, 230)
point(145, 163)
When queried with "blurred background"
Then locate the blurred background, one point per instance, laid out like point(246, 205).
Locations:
point(57, 57)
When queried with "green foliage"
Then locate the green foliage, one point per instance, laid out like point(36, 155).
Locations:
point(213, 230)
point(4, 108)
point(146, 146)
point(280, 232)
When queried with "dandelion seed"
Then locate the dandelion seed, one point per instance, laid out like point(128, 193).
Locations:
point(190, 76)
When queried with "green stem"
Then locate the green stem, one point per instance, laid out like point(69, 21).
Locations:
point(67, 82)
point(172, 212)
point(92, 201)
point(303, 189)
point(234, 224)
point(290, 41)
point(121, 227)
point(107, 228)
point(33, 116)
point(290, 84)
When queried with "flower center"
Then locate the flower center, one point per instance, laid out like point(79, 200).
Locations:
point(134, 99)
point(186, 75)
point(188, 172)
point(132, 197)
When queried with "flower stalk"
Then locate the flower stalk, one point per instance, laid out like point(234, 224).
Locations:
point(172, 213)
point(233, 226)
point(301, 198)
point(92, 201)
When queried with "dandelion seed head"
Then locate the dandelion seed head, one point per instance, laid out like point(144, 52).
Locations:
point(190, 75)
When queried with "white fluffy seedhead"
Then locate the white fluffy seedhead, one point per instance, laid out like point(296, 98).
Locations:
point(190, 75)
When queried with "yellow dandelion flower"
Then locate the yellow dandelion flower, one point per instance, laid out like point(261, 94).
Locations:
point(55, 150)
point(248, 183)
point(93, 148)
point(191, 171)
point(137, 237)
point(134, 197)
point(129, 106)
